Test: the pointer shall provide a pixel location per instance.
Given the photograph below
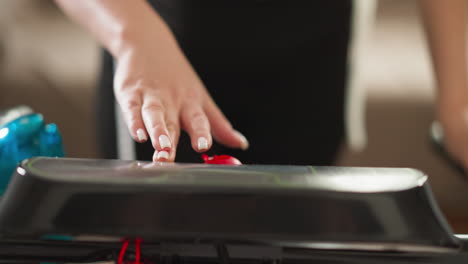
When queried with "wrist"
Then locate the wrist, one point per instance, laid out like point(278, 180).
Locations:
point(452, 110)
point(452, 97)
point(148, 31)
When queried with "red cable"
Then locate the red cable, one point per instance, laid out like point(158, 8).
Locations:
point(125, 245)
point(137, 251)
point(122, 252)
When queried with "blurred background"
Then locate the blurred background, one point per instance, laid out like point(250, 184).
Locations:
point(52, 65)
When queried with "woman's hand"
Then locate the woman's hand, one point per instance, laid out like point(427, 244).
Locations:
point(157, 89)
point(159, 94)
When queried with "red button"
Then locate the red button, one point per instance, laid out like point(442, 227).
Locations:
point(221, 159)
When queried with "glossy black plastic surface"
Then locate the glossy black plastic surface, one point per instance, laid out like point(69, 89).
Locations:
point(363, 209)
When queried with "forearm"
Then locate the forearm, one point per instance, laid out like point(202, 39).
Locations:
point(445, 24)
point(119, 25)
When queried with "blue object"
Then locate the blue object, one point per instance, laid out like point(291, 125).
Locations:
point(25, 137)
point(55, 237)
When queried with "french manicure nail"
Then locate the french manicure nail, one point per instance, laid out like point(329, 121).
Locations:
point(141, 135)
point(244, 141)
point(164, 142)
point(202, 143)
point(162, 155)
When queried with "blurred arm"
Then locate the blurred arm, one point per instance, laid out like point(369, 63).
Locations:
point(446, 25)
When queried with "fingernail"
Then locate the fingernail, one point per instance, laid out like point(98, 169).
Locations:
point(164, 142)
point(202, 143)
point(141, 135)
point(244, 141)
point(162, 155)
